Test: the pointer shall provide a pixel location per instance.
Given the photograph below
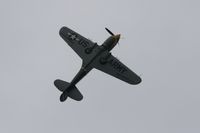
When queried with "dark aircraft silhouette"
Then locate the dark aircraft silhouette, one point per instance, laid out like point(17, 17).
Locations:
point(93, 56)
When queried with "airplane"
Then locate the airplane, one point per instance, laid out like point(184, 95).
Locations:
point(93, 56)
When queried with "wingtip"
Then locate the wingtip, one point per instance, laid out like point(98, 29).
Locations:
point(135, 82)
point(139, 80)
point(62, 30)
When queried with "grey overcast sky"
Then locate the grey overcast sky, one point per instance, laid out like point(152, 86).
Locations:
point(160, 42)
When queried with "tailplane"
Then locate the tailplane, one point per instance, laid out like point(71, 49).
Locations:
point(73, 93)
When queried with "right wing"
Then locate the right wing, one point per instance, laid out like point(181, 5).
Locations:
point(114, 67)
point(78, 43)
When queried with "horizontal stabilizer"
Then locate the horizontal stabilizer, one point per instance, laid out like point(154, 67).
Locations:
point(61, 85)
point(73, 93)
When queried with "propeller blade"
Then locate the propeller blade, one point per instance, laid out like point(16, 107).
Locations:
point(109, 31)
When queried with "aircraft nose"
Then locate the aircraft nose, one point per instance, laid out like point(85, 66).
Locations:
point(117, 37)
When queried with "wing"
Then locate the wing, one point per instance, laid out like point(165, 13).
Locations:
point(81, 45)
point(114, 67)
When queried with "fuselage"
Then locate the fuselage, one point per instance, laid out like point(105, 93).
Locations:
point(108, 45)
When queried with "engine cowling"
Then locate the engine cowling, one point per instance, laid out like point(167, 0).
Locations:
point(111, 42)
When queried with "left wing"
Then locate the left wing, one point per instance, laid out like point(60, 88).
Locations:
point(81, 45)
point(114, 67)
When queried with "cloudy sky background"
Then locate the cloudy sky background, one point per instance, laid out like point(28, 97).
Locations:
point(160, 42)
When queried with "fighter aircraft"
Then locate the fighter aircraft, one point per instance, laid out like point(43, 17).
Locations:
point(93, 56)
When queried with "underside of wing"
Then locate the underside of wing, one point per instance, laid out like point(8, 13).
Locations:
point(81, 45)
point(114, 67)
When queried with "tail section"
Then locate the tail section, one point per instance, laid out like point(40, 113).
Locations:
point(73, 92)
point(61, 85)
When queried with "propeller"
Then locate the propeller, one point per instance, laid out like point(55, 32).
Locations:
point(109, 31)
